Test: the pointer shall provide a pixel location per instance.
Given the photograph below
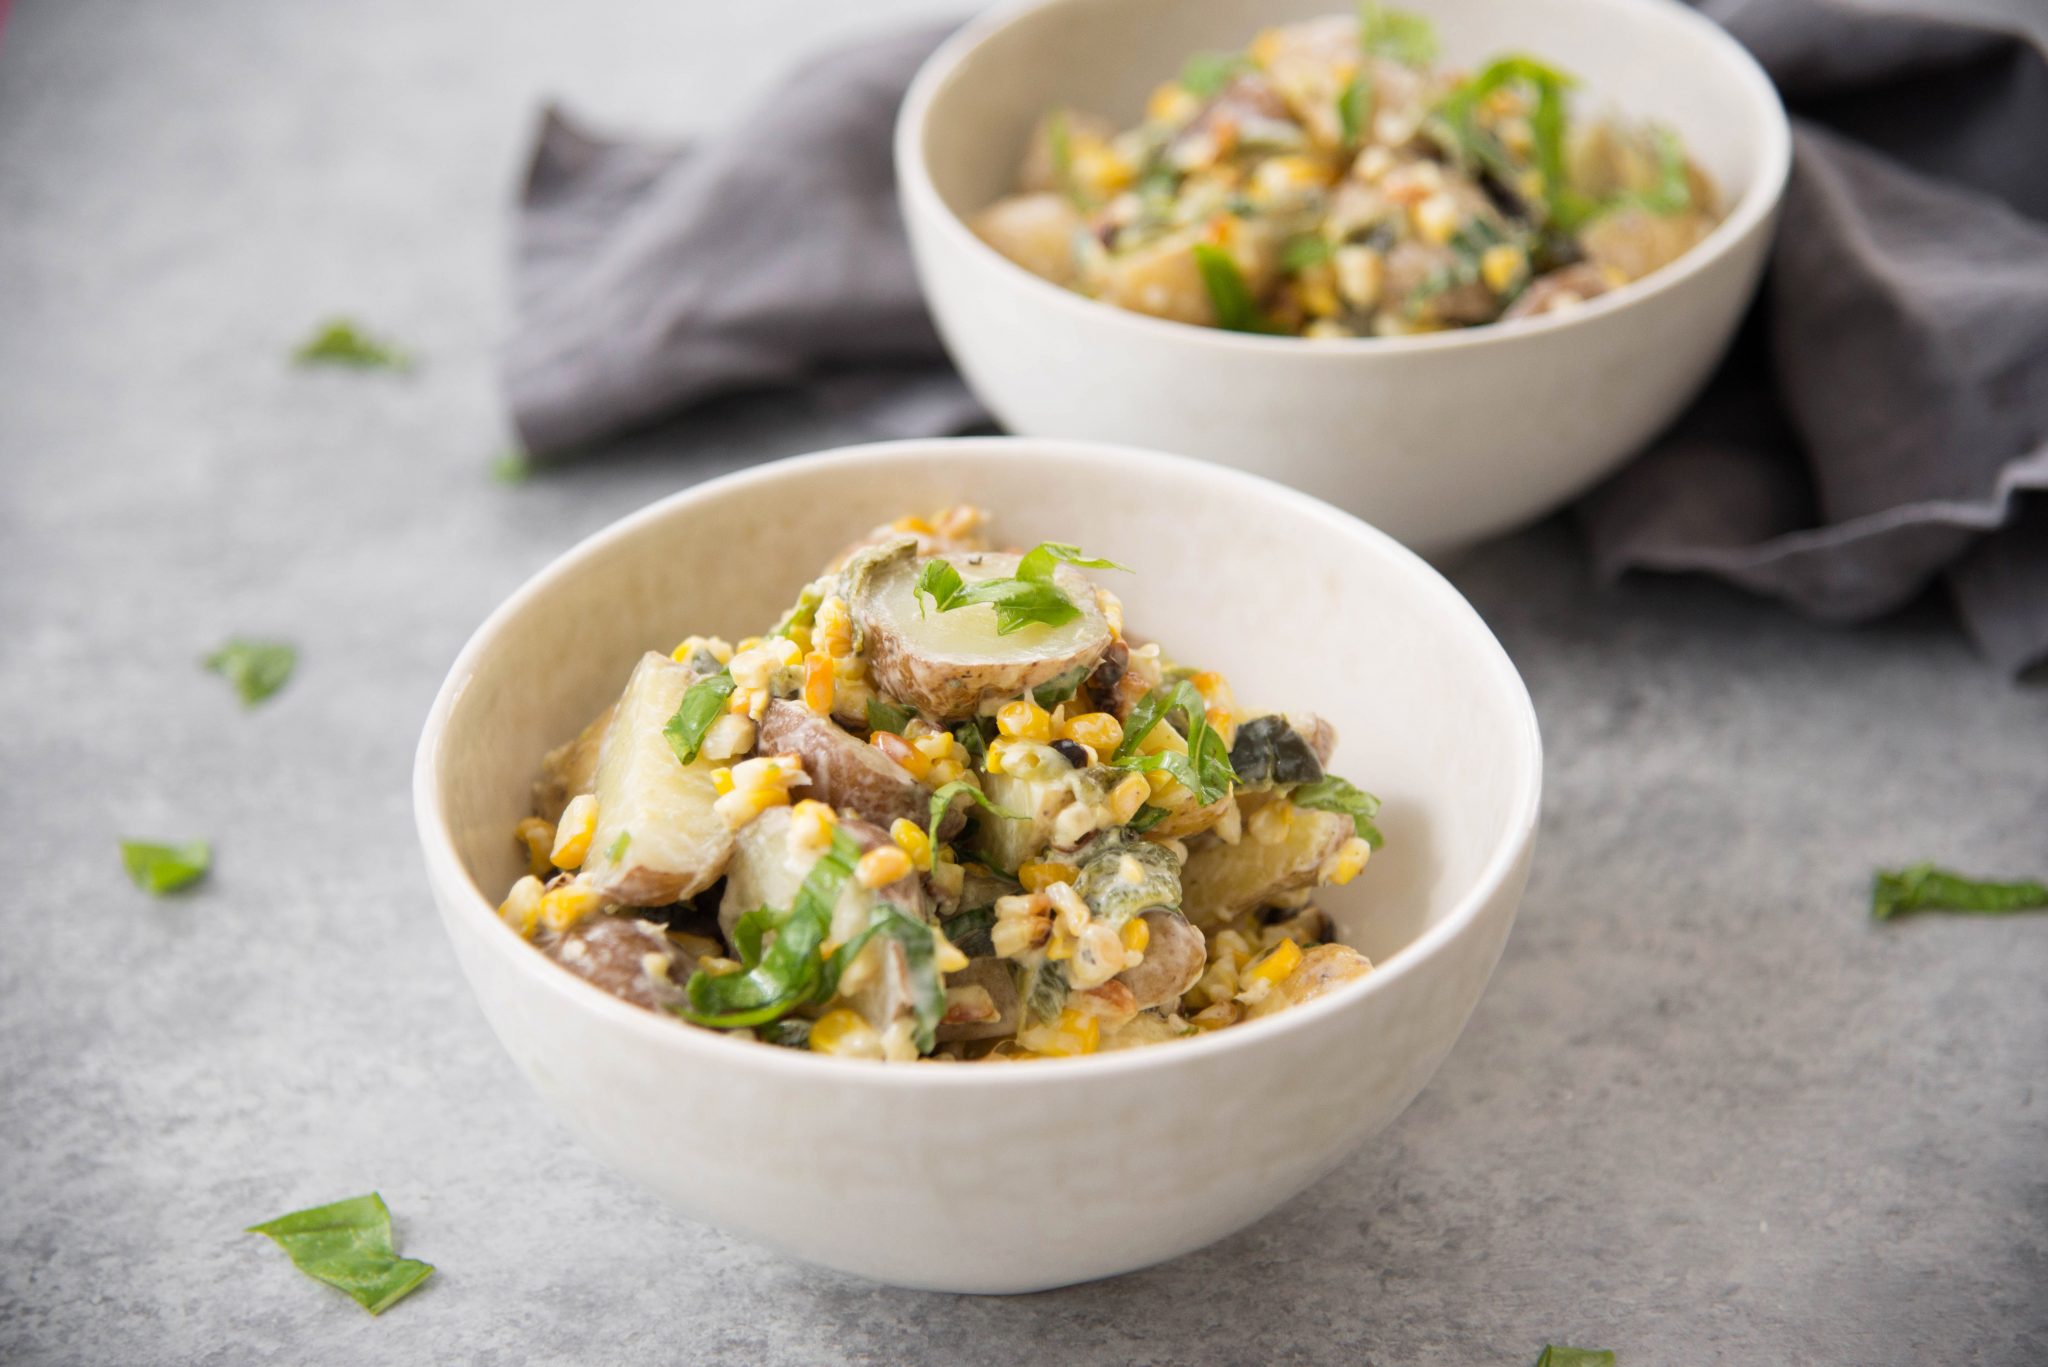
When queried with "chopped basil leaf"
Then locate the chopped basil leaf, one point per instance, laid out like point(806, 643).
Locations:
point(803, 613)
point(618, 847)
point(1229, 295)
point(1556, 1356)
point(1059, 145)
point(1205, 769)
point(1352, 106)
point(1565, 207)
point(1924, 887)
point(1147, 817)
point(257, 669)
point(884, 715)
point(1332, 794)
point(973, 742)
point(1206, 73)
point(1310, 249)
point(969, 931)
point(1672, 193)
point(1039, 562)
point(791, 1032)
point(943, 798)
point(1031, 596)
point(158, 869)
point(703, 703)
point(514, 467)
point(1062, 687)
point(348, 1245)
point(774, 982)
point(341, 342)
point(1399, 35)
point(1045, 992)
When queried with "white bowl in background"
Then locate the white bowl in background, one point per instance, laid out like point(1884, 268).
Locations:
point(1438, 439)
point(1010, 1177)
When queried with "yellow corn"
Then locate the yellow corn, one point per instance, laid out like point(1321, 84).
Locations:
point(566, 905)
point(1112, 608)
point(1075, 1033)
point(539, 838)
point(934, 745)
point(721, 780)
point(845, 1034)
point(911, 839)
point(1281, 960)
point(1266, 48)
point(1024, 720)
point(1216, 1017)
point(1501, 265)
point(1128, 796)
point(958, 520)
point(572, 836)
point(1100, 172)
point(1099, 731)
point(521, 907)
point(1061, 946)
point(811, 823)
point(818, 683)
point(1347, 861)
point(1170, 103)
point(1038, 874)
point(946, 956)
point(881, 867)
point(946, 771)
point(721, 650)
point(1137, 935)
point(833, 628)
point(748, 643)
point(718, 966)
point(742, 805)
point(903, 752)
point(915, 525)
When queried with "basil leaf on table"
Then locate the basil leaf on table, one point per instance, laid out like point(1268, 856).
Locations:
point(348, 1245)
point(158, 869)
point(703, 703)
point(257, 669)
point(1923, 887)
point(341, 342)
point(1555, 1355)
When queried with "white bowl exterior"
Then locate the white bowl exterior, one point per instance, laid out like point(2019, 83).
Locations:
point(1011, 1177)
point(1438, 440)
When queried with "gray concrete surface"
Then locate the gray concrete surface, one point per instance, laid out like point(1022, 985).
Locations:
point(1707, 1113)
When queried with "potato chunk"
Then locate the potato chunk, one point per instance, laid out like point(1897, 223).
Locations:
point(1222, 881)
point(1321, 969)
point(845, 772)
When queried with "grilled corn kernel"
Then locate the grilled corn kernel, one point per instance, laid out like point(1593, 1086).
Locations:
point(1315, 288)
point(844, 1034)
point(539, 838)
point(1112, 609)
point(1171, 103)
point(565, 906)
point(1136, 935)
point(959, 520)
point(521, 907)
point(1024, 720)
point(1076, 1032)
point(727, 738)
point(1373, 163)
point(946, 771)
point(1068, 906)
point(721, 650)
point(1060, 947)
point(946, 956)
point(721, 781)
point(1278, 962)
point(1038, 874)
point(811, 823)
point(911, 839)
point(1344, 865)
point(718, 966)
point(818, 683)
point(572, 836)
point(948, 877)
point(881, 867)
point(913, 524)
point(933, 745)
point(742, 805)
point(1019, 933)
point(1098, 955)
point(832, 629)
point(1501, 265)
point(1099, 731)
point(1216, 1017)
point(903, 752)
point(1128, 796)
point(1361, 275)
point(1270, 823)
point(1026, 759)
point(1099, 172)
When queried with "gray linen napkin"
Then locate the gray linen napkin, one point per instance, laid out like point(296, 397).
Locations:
point(1880, 425)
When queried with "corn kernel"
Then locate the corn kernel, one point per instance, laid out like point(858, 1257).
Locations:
point(798, 636)
point(1075, 1033)
point(565, 906)
point(947, 771)
point(958, 521)
point(742, 805)
point(1361, 275)
point(1024, 720)
point(832, 629)
point(539, 838)
point(727, 738)
point(1136, 935)
point(811, 823)
point(1112, 608)
point(1278, 962)
point(911, 839)
point(1501, 265)
point(1038, 874)
point(572, 836)
point(903, 752)
point(912, 524)
point(1061, 946)
point(521, 907)
point(881, 867)
point(946, 956)
point(721, 781)
point(720, 649)
point(1344, 865)
point(748, 643)
point(1270, 823)
point(1099, 731)
point(1216, 1017)
point(818, 684)
point(1171, 103)
point(718, 966)
point(1128, 796)
point(1098, 171)
point(933, 745)
point(843, 1034)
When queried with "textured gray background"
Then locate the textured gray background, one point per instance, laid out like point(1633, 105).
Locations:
point(1706, 1112)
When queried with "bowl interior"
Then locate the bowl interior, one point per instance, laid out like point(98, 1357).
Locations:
point(1643, 58)
point(1301, 606)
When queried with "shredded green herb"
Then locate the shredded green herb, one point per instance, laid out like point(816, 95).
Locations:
point(1206, 73)
point(1061, 687)
point(1147, 817)
point(943, 799)
point(884, 715)
point(927, 991)
point(969, 931)
point(1028, 596)
point(1229, 295)
point(703, 703)
point(1205, 769)
point(341, 342)
point(1565, 208)
point(803, 613)
point(777, 980)
point(1923, 887)
point(513, 467)
point(158, 869)
point(348, 1245)
point(1332, 794)
point(1398, 35)
point(1555, 1356)
point(257, 669)
point(1352, 106)
point(973, 742)
point(1300, 253)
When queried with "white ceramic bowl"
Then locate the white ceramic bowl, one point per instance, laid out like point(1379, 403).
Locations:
point(1010, 1177)
point(1439, 439)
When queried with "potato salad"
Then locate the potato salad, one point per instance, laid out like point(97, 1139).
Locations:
point(1329, 181)
point(944, 808)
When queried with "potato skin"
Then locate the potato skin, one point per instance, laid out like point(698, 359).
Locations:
point(845, 771)
point(1322, 969)
point(611, 953)
point(570, 769)
point(1174, 959)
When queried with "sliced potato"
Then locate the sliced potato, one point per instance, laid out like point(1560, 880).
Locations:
point(845, 772)
point(1174, 959)
point(946, 664)
point(657, 839)
point(1007, 842)
point(570, 770)
point(1221, 881)
point(1321, 969)
point(966, 1017)
point(629, 958)
point(766, 870)
point(1035, 231)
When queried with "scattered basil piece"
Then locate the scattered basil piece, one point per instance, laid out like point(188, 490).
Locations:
point(1565, 208)
point(1206, 73)
point(1229, 295)
point(1147, 817)
point(884, 715)
point(1556, 1356)
point(514, 467)
point(158, 869)
point(1332, 794)
point(1353, 104)
point(703, 703)
point(943, 798)
point(1038, 564)
point(803, 613)
point(1205, 769)
point(257, 669)
point(791, 1032)
point(348, 1245)
point(920, 956)
point(969, 931)
point(1045, 992)
point(618, 847)
point(973, 742)
point(341, 342)
point(776, 981)
point(1399, 35)
point(1923, 887)
point(1300, 253)
point(1062, 687)
point(1029, 596)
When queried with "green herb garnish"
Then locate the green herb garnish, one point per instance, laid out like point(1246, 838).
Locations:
point(803, 613)
point(927, 991)
point(1059, 147)
point(1027, 597)
point(968, 931)
point(776, 981)
point(1555, 1356)
point(1352, 106)
point(617, 849)
point(158, 869)
point(341, 342)
point(943, 798)
point(1206, 73)
point(1229, 295)
point(1332, 794)
point(513, 467)
point(1300, 253)
point(348, 1245)
point(1398, 35)
point(1923, 887)
point(257, 669)
point(973, 742)
point(703, 703)
point(884, 715)
point(1673, 191)
point(1061, 687)
point(1205, 769)
point(1565, 207)
point(1147, 817)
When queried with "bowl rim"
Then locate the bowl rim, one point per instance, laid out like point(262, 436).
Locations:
point(1752, 212)
point(450, 880)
